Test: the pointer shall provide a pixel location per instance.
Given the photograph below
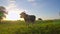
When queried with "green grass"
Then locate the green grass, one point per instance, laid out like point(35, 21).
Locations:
point(39, 27)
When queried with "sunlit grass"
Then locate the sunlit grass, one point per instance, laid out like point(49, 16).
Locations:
point(39, 27)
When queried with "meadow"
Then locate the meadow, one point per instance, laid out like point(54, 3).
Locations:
point(39, 27)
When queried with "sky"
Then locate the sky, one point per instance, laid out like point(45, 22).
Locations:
point(45, 9)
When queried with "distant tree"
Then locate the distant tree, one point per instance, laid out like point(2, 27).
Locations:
point(39, 18)
point(2, 12)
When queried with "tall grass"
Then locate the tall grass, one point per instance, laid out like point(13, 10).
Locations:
point(39, 27)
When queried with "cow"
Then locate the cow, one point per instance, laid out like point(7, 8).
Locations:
point(28, 18)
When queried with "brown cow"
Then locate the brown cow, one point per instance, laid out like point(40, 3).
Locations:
point(28, 18)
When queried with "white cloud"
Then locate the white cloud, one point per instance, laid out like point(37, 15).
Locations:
point(12, 0)
point(31, 0)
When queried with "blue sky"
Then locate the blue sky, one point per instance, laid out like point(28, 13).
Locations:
point(45, 9)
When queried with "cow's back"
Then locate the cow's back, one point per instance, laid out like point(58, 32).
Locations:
point(32, 18)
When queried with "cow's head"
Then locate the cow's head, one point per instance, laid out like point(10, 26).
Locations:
point(23, 15)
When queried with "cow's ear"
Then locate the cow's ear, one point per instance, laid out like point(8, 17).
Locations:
point(20, 17)
point(20, 14)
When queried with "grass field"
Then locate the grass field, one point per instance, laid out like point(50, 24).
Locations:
point(39, 27)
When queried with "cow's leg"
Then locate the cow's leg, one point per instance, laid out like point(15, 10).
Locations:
point(27, 23)
point(33, 21)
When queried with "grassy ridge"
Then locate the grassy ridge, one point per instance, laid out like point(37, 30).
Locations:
point(40, 27)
